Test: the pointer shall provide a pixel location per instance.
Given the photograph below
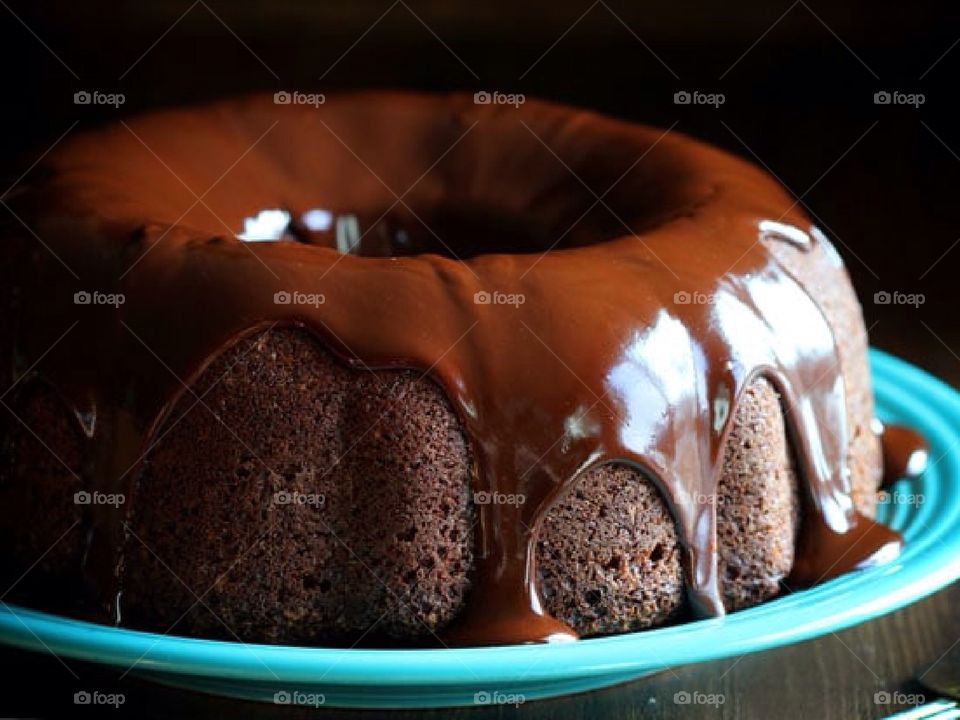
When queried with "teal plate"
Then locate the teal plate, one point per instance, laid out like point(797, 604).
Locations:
point(477, 676)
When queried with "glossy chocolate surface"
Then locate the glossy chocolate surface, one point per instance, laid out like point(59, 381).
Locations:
point(567, 331)
point(905, 453)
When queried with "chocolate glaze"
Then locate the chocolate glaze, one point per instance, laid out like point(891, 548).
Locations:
point(905, 453)
point(625, 347)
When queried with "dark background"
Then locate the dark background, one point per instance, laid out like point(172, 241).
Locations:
point(799, 81)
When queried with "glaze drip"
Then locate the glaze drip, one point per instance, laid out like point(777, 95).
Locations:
point(905, 453)
point(630, 337)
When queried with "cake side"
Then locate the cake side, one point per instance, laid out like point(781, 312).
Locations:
point(609, 557)
point(823, 275)
point(42, 535)
point(331, 505)
point(601, 532)
point(326, 504)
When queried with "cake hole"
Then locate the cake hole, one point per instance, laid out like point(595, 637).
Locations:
point(454, 230)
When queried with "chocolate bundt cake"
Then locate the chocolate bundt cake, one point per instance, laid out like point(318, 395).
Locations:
point(402, 368)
